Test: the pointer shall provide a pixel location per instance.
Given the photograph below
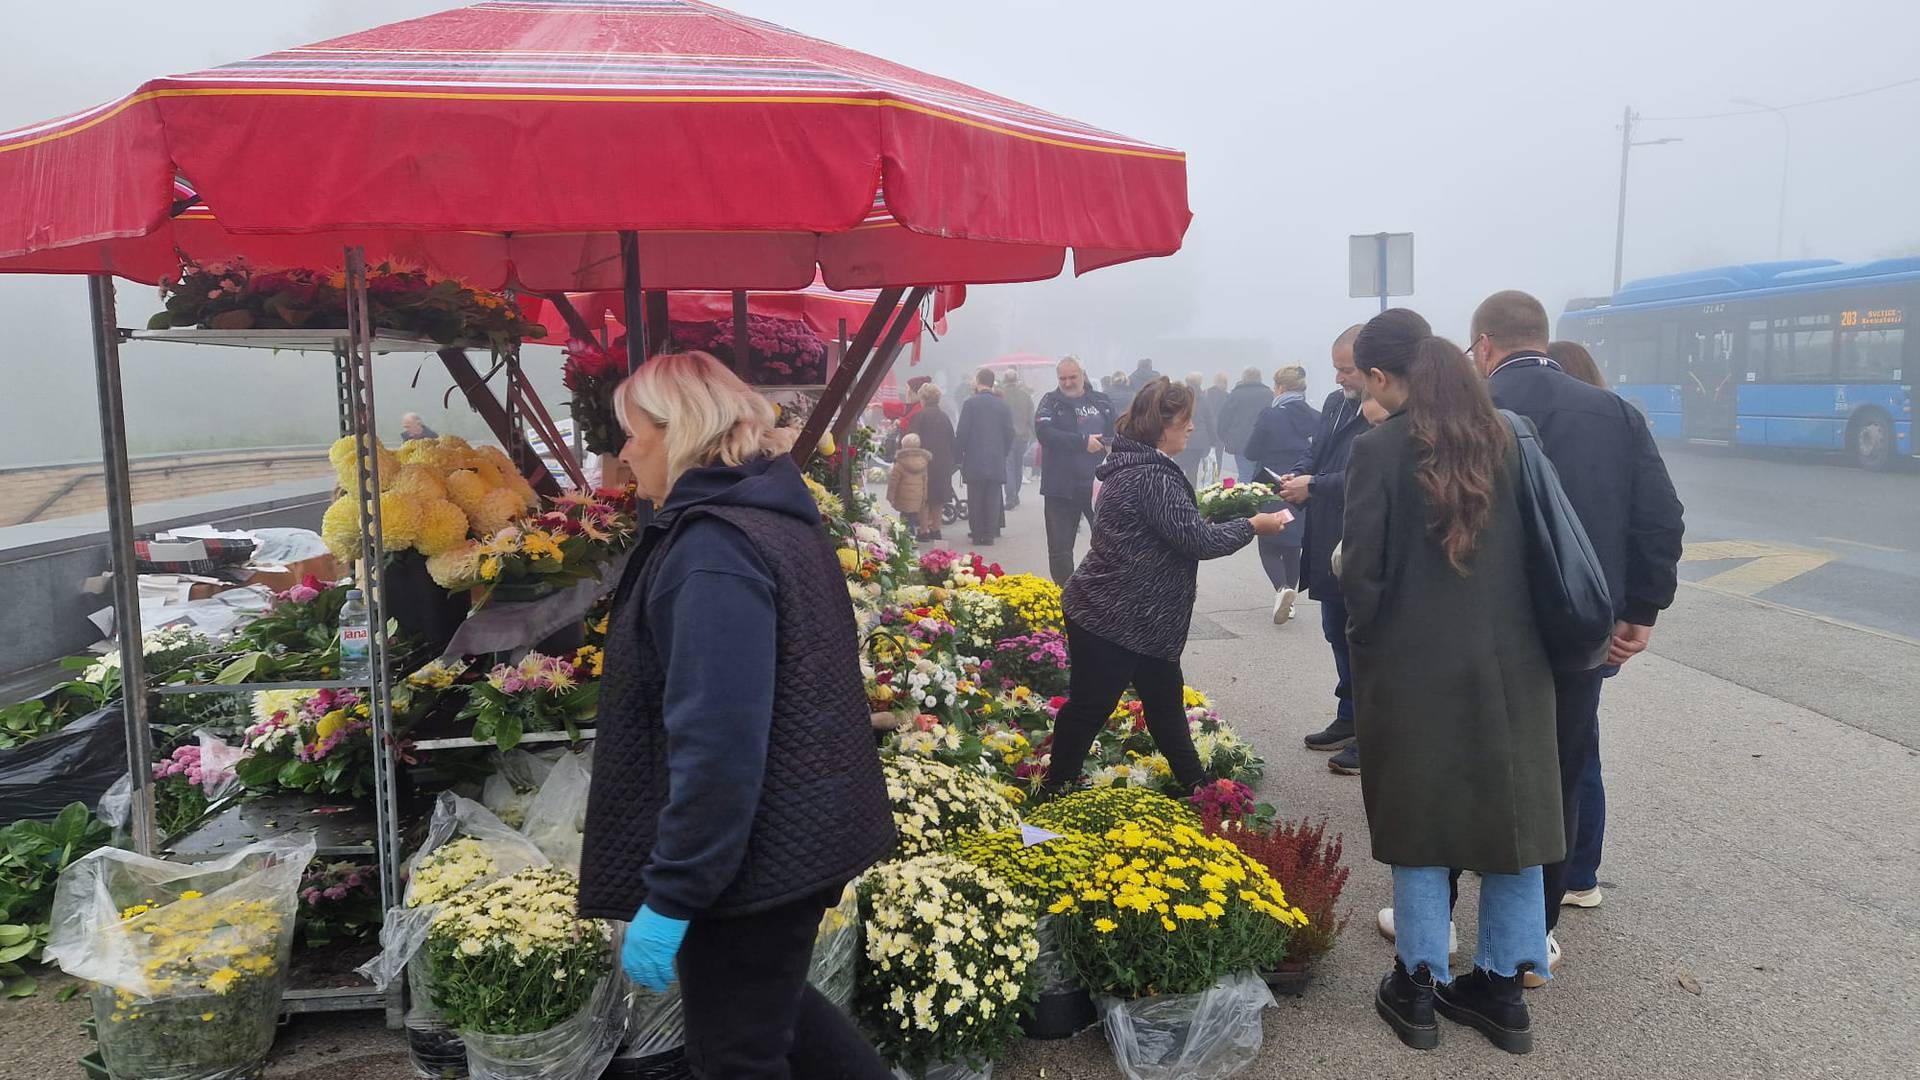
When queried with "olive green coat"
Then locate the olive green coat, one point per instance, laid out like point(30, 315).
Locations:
point(1452, 692)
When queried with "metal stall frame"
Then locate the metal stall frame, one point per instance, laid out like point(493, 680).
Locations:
point(353, 351)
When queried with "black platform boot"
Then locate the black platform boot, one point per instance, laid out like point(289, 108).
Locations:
point(1405, 1002)
point(1493, 1004)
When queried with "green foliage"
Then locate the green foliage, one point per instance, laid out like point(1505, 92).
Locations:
point(32, 855)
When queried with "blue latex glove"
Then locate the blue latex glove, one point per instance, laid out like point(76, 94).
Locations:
point(652, 942)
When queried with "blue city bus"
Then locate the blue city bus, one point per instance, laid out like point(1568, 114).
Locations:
point(1811, 355)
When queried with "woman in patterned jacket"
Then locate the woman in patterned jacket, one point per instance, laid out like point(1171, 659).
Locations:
point(1129, 604)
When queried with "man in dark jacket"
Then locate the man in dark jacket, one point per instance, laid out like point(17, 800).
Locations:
point(1319, 483)
point(1020, 404)
point(1618, 485)
point(1073, 424)
point(1236, 420)
point(981, 444)
point(1206, 437)
point(1143, 374)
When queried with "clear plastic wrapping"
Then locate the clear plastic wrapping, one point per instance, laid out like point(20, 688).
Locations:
point(557, 817)
point(509, 792)
point(579, 1049)
point(189, 962)
point(836, 951)
point(949, 1071)
point(1206, 1036)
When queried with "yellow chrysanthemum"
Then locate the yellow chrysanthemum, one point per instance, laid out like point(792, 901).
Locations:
point(466, 489)
point(456, 567)
point(511, 474)
point(340, 528)
point(400, 520)
point(421, 482)
point(496, 510)
point(341, 454)
point(443, 527)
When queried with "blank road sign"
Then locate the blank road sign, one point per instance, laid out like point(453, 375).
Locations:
point(1364, 272)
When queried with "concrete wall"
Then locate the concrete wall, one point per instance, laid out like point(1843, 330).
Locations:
point(43, 492)
point(43, 612)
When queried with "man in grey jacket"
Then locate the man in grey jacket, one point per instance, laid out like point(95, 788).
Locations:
point(981, 443)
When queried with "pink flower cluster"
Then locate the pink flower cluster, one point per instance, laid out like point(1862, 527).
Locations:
point(1223, 800)
point(938, 563)
point(309, 588)
point(185, 761)
point(537, 673)
point(335, 881)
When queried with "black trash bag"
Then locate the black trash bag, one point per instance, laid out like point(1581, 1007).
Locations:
point(78, 763)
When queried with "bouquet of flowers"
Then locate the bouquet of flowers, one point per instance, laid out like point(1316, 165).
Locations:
point(935, 803)
point(1230, 500)
point(949, 948)
point(926, 736)
point(188, 962)
point(1036, 661)
point(512, 957)
point(434, 493)
point(184, 786)
point(979, 618)
point(591, 373)
point(541, 693)
point(1033, 602)
point(319, 741)
point(233, 295)
point(544, 551)
point(1169, 911)
point(949, 569)
point(339, 900)
point(1098, 811)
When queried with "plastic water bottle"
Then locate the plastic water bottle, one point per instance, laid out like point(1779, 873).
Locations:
point(356, 638)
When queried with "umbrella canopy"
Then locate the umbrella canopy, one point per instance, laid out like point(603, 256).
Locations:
point(505, 143)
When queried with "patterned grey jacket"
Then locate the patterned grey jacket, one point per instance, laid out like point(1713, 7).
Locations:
point(1136, 586)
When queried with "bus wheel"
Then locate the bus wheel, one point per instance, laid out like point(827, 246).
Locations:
point(1871, 441)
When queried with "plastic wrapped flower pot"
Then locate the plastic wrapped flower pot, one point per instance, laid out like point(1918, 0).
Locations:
point(836, 949)
point(948, 953)
point(656, 1047)
point(1063, 1008)
point(1206, 1036)
point(188, 962)
point(948, 1072)
point(528, 984)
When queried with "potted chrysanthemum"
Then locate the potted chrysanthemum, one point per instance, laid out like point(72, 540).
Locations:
point(1169, 930)
point(947, 966)
point(934, 803)
point(1041, 867)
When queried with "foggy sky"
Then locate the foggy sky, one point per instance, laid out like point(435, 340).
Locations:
point(1490, 130)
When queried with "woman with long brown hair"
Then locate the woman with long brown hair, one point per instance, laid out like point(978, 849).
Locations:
point(1575, 360)
point(1453, 693)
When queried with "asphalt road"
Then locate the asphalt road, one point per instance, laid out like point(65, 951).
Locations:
point(1762, 869)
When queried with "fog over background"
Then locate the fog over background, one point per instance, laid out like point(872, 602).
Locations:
point(1488, 129)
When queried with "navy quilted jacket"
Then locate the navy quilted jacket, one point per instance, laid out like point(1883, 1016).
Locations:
point(1136, 586)
point(736, 768)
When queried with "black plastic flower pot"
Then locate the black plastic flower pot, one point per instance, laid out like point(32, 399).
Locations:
point(1290, 980)
point(1060, 1015)
point(437, 1052)
point(666, 1065)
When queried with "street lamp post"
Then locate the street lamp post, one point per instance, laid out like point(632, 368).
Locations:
point(1786, 156)
point(1627, 120)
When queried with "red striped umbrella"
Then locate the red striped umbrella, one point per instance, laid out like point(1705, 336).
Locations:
point(507, 143)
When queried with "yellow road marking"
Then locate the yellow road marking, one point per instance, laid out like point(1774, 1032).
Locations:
point(1768, 565)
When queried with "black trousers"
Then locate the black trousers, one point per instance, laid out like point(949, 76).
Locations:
point(1063, 516)
point(1099, 672)
point(986, 509)
point(750, 1013)
point(1576, 716)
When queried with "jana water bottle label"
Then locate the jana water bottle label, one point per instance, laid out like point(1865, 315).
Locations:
point(356, 637)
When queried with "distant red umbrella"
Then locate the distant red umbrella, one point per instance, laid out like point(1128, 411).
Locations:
point(507, 143)
point(821, 308)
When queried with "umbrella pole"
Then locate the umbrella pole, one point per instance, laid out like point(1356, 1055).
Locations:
point(631, 298)
point(126, 575)
point(842, 381)
point(878, 365)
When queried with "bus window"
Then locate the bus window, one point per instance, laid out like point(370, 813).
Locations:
point(1802, 349)
point(1755, 360)
point(1635, 360)
point(1872, 343)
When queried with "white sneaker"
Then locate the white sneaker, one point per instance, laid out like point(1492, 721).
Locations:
point(1585, 898)
point(1535, 982)
point(1283, 605)
point(1385, 924)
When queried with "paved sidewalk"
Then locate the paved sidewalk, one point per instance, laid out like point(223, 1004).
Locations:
point(1762, 869)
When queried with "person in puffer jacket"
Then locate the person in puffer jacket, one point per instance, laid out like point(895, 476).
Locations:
point(907, 484)
point(1130, 603)
point(739, 789)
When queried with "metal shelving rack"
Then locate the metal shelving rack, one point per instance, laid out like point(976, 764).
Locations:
point(353, 350)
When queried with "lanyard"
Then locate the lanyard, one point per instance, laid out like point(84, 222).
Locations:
point(1527, 361)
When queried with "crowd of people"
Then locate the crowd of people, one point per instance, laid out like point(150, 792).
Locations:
point(1407, 506)
point(1398, 509)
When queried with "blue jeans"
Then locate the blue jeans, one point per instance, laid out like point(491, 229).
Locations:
point(1590, 824)
point(1513, 927)
point(1333, 624)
